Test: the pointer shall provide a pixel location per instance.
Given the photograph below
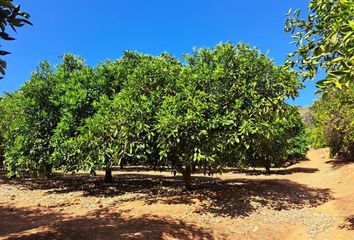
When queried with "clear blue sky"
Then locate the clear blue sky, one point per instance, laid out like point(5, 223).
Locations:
point(99, 30)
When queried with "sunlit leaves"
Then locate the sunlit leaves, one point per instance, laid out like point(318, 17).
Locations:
point(333, 116)
point(231, 96)
point(325, 40)
point(224, 106)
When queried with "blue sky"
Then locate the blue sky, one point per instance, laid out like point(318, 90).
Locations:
point(99, 30)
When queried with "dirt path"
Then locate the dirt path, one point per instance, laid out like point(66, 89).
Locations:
point(310, 200)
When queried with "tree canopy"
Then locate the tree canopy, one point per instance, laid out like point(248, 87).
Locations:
point(324, 40)
point(221, 107)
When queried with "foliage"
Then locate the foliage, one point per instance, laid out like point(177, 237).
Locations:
point(316, 138)
point(286, 144)
point(73, 96)
point(10, 15)
point(334, 121)
point(31, 119)
point(53, 105)
point(123, 126)
point(295, 135)
point(2, 129)
point(224, 106)
point(325, 40)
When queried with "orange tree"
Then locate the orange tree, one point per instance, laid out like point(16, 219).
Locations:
point(123, 127)
point(333, 117)
point(29, 119)
point(225, 100)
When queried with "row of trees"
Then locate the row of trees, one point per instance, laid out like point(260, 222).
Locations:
point(325, 41)
point(333, 117)
point(220, 107)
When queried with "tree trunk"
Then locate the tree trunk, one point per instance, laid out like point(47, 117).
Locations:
point(194, 167)
point(187, 178)
point(108, 176)
point(92, 173)
point(121, 164)
point(1, 156)
point(186, 174)
point(267, 167)
point(48, 170)
point(155, 165)
point(210, 171)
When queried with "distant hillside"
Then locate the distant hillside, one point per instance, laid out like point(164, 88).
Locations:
point(305, 112)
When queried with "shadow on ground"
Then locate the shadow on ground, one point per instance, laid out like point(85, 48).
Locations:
point(95, 186)
point(285, 171)
point(25, 224)
point(242, 197)
point(340, 162)
point(235, 197)
point(14, 220)
point(349, 223)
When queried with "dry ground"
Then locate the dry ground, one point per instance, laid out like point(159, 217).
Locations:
point(312, 199)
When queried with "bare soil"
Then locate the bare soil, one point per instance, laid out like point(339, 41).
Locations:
point(312, 199)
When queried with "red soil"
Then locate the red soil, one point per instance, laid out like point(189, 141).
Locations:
point(312, 199)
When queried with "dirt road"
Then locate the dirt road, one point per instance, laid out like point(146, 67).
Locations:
point(312, 199)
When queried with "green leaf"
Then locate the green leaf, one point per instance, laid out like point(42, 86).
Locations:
point(351, 24)
point(338, 85)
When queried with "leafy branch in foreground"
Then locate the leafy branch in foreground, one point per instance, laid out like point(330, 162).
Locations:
point(325, 40)
point(10, 15)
